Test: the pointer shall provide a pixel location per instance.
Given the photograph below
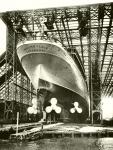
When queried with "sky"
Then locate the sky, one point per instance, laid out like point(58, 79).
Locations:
point(2, 37)
point(9, 5)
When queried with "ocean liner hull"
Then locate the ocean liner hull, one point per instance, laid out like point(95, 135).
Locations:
point(50, 67)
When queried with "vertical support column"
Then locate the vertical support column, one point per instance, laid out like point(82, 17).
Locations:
point(90, 74)
point(31, 94)
point(6, 80)
point(21, 96)
point(94, 76)
point(96, 69)
point(90, 87)
point(14, 101)
point(9, 76)
point(17, 123)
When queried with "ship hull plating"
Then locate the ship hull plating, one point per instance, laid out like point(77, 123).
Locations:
point(50, 67)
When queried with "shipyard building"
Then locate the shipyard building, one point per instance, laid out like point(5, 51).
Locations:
point(85, 33)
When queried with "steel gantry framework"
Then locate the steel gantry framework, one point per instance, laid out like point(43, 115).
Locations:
point(84, 30)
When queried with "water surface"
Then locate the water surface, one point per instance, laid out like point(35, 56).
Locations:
point(65, 143)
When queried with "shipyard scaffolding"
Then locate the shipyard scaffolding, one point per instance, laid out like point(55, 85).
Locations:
point(84, 30)
point(16, 90)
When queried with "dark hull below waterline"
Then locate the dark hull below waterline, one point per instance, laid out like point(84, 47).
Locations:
point(65, 98)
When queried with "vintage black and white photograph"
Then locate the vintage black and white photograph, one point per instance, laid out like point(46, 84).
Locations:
point(56, 75)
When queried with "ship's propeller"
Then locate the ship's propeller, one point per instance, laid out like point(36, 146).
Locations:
point(53, 106)
point(33, 109)
point(76, 108)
